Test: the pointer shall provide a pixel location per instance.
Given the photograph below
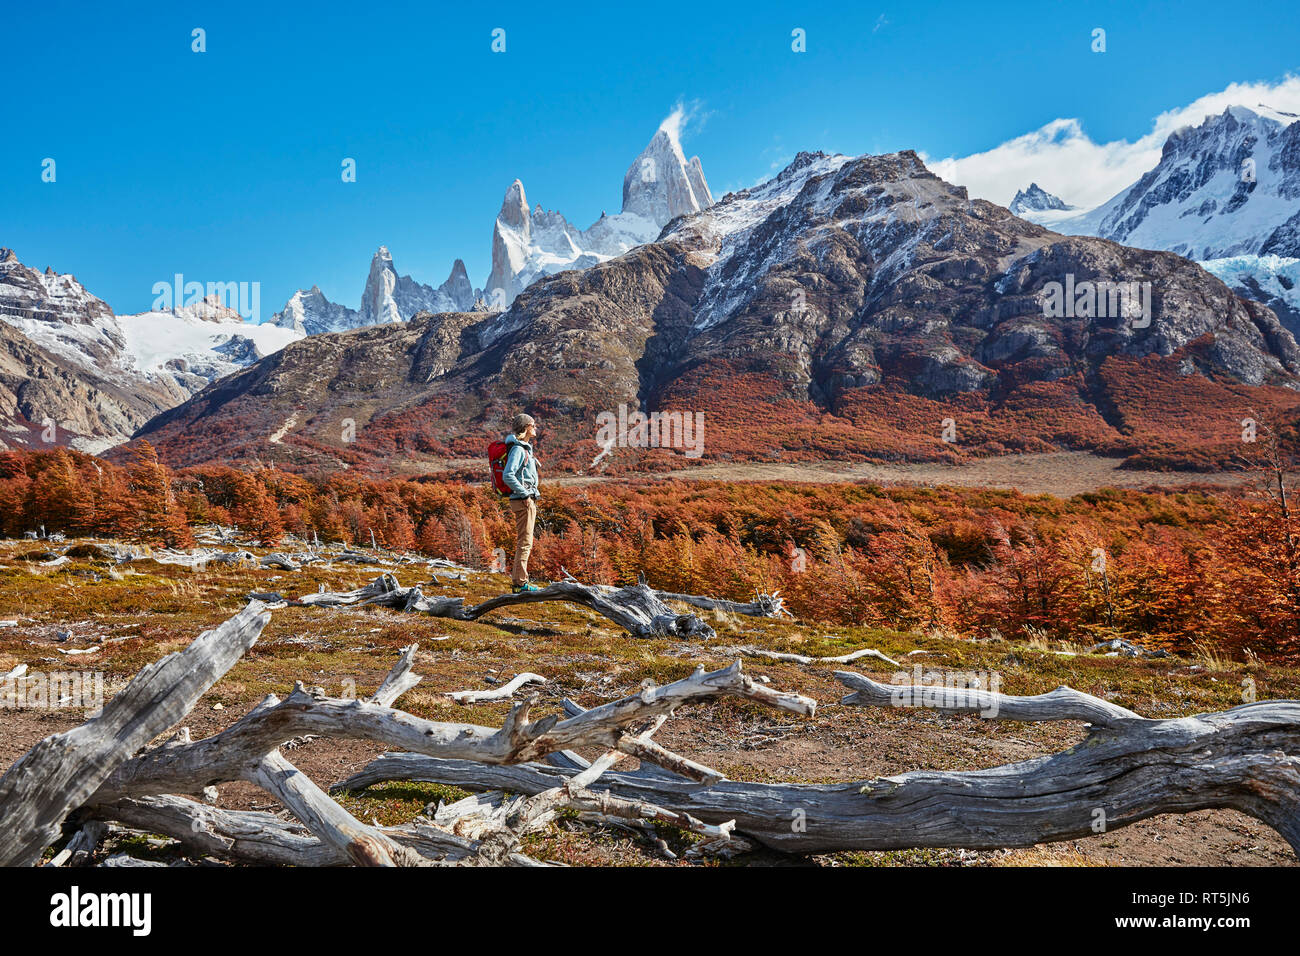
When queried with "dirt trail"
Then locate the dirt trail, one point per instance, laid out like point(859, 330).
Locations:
point(1058, 473)
point(1062, 473)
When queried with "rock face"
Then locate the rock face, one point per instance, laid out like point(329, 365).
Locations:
point(1285, 239)
point(846, 307)
point(58, 310)
point(458, 289)
point(1036, 199)
point(527, 243)
point(1228, 187)
point(98, 376)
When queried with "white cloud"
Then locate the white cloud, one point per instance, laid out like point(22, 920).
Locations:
point(1064, 160)
point(684, 115)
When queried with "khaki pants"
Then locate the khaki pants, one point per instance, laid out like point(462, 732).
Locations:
point(525, 510)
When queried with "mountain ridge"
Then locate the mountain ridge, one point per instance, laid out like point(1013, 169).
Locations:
point(848, 304)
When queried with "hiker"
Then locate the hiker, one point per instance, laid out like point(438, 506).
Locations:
point(520, 476)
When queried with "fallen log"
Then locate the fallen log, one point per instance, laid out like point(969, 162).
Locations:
point(385, 591)
point(188, 766)
point(636, 609)
point(263, 839)
point(234, 557)
point(333, 825)
point(248, 750)
point(764, 605)
point(62, 771)
point(1128, 769)
point(356, 557)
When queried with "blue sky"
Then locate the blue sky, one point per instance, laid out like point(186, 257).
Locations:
point(225, 165)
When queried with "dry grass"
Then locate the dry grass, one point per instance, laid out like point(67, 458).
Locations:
point(136, 613)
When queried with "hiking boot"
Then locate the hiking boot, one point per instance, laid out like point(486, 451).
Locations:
point(526, 586)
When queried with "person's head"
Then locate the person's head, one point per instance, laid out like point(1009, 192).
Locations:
point(524, 427)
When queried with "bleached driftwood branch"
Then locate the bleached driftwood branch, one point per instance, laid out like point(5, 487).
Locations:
point(260, 838)
point(1128, 769)
point(1064, 703)
point(147, 786)
point(637, 609)
point(81, 846)
point(803, 659)
point(61, 772)
point(497, 693)
point(385, 591)
point(399, 680)
point(178, 768)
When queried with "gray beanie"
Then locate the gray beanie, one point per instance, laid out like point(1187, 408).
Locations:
point(520, 422)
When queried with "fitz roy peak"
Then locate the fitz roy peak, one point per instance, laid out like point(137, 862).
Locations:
point(530, 242)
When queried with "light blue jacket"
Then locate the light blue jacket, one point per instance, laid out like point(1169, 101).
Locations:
point(520, 473)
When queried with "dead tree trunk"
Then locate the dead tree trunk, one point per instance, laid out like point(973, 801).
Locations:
point(61, 772)
point(637, 609)
point(1128, 769)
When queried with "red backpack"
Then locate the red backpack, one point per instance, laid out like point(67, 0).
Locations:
point(497, 452)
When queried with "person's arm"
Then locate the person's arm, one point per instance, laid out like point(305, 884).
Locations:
point(510, 473)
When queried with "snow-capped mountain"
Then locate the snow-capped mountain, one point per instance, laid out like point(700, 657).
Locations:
point(98, 376)
point(197, 344)
point(56, 311)
point(660, 185)
point(1036, 199)
point(1228, 187)
point(310, 313)
point(387, 297)
point(731, 226)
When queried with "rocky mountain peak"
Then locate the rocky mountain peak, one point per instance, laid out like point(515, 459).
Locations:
point(1036, 199)
point(1229, 186)
point(210, 309)
point(661, 184)
point(458, 288)
point(855, 286)
point(514, 207)
point(377, 303)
